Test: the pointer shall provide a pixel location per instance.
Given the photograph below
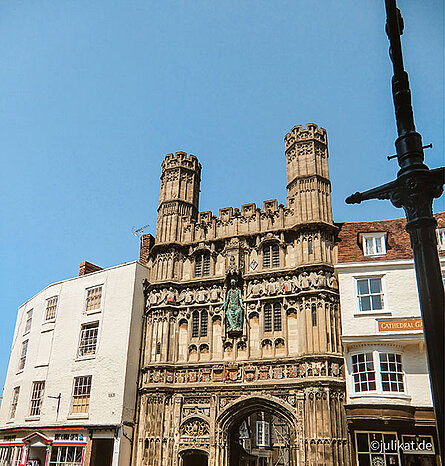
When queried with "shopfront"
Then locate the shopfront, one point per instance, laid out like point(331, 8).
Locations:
point(45, 449)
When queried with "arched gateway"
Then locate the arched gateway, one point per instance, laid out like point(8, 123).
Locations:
point(256, 431)
point(241, 362)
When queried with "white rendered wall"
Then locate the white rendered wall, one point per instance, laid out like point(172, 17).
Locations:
point(52, 350)
point(360, 332)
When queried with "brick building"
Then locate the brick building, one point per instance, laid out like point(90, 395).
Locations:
point(388, 390)
point(271, 392)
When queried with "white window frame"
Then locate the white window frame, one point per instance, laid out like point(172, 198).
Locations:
point(23, 353)
point(14, 402)
point(367, 381)
point(262, 433)
point(83, 330)
point(73, 396)
point(377, 241)
point(440, 232)
point(39, 386)
point(382, 293)
point(28, 322)
point(11, 455)
point(98, 309)
point(47, 307)
point(378, 373)
point(60, 461)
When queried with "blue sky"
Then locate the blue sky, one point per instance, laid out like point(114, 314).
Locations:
point(95, 93)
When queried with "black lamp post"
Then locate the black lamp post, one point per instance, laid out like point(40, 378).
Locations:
point(414, 189)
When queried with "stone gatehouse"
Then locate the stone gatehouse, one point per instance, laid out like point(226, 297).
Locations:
point(272, 392)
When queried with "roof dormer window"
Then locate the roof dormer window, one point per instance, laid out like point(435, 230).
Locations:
point(374, 244)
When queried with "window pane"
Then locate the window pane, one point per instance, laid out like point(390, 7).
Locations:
point(88, 339)
point(365, 303)
point(36, 398)
point(267, 318)
point(51, 306)
point(81, 394)
point(198, 266)
point(376, 286)
point(362, 286)
point(363, 372)
point(362, 442)
point(266, 257)
point(94, 296)
point(378, 245)
point(206, 264)
point(377, 302)
point(204, 323)
point(369, 245)
point(277, 317)
point(195, 324)
point(275, 256)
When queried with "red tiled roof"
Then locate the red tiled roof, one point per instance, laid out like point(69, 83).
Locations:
point(397, 239)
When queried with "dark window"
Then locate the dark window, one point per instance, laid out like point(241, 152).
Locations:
point(277, 317)
point(158, 347)
point(202, 265)
point(370, 294)
point(314, 315)
point(195, 324)
point(267, 317)
point(271, 256)
point(310, 246)
point(204, 321)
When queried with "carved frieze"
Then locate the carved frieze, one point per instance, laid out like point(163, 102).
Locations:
point(249, 372)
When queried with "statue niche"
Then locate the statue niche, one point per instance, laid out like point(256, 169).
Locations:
point(234, 311)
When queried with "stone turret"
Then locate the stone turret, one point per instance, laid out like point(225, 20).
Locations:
point(178, 197)
point(308, 185)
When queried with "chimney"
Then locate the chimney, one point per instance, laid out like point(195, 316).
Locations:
point(87, 267)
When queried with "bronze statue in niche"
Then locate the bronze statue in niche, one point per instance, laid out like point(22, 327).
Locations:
point(234, 310)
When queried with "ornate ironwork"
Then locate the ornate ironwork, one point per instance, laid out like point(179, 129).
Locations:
point(414, 189)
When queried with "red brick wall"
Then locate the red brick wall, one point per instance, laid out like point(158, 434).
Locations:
point(87, 267)
point(397, 239)
point(147, 242)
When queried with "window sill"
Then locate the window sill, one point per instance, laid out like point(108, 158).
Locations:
point(78, 416)
point(382, 254)
point(93, 311)
point(20, 371)
point(48, 325)
point(372, 313)
point(392, 395)
point(27, 332)
point(85, 358)
point(32, 418)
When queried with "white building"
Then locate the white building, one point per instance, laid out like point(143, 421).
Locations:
point(389, 399)
point(70, 391)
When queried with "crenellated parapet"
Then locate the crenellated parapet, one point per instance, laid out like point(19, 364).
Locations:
point(300, 133)
point(181, 160)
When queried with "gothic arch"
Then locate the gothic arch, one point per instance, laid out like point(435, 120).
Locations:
point(243, 407)
point(232, 415)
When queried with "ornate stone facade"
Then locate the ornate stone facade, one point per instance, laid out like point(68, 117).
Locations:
point(200, 381)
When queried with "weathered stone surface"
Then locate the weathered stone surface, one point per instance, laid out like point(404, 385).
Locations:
point(197, 380)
